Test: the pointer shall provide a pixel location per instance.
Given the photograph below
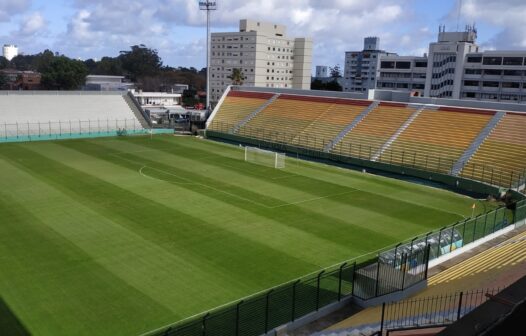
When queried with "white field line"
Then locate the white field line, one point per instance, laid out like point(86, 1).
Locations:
point(315, 199)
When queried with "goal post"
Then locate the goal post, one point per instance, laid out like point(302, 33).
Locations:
point(264, 157)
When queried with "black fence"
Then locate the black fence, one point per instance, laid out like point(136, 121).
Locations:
point(431, 311)
point(314, 145)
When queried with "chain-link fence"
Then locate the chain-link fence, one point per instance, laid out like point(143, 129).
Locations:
point(314, 145)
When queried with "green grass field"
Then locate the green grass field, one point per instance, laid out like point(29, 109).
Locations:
point(119, 236)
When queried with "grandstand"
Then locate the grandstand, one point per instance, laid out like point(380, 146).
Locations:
point(473, 143)
point(46, 113)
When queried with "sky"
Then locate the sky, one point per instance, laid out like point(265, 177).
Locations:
point(176, 28)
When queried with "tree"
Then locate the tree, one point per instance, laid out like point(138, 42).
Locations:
point(237, 76)
point(3, 62)
point(317, 85)
point(3, 80)
point(140, 61)
point(111, 66)
point(336, 71)
point(333, 86)
point(63, 73)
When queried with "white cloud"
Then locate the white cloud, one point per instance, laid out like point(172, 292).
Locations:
point(10, 8)
point(32, 24)
point(506, 17)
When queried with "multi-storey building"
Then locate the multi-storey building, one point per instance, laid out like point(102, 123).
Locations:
point(446, 62)
point(495, 75)
point(455, 68)
point(264, 54)
point(406, 73)
point(362, 67)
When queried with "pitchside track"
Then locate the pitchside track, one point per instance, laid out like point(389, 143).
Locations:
point(119, 236)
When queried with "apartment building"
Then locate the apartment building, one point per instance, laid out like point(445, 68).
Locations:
point(362, 67)
point(495, 75)
point(454, 68)
point(403, 73)
point(264, 54)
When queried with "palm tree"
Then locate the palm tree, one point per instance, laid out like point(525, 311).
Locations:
point(237, 76)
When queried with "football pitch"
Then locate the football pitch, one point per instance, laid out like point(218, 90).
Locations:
point(119, 236)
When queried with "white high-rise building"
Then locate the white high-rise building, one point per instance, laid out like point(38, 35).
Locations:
point(455, 68)
point(265, 55)
point(10, 51)
point(446, 62)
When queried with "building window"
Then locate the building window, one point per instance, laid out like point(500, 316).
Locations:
point(513, 73)
point(474, 59)
point(511, 85)
point(492, 61)
point(490, 84)
point(473, 72)
point(513, 60)
point(420, 64)
point(387, 65)
point(492, 72)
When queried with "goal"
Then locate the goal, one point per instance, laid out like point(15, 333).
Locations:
point(264, 157)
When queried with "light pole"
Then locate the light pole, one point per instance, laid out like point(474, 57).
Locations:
point(207, 6)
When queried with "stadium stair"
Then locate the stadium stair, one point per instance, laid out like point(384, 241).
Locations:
point(350, 127)
point(137, 110)
point(475, 145)
point(243, 122)
point(495, 264)
point(400, 130)
point(502, 155)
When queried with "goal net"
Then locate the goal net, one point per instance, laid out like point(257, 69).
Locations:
point(264, 157)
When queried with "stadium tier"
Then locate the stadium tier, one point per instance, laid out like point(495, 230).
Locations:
point(436, 139)
point(237, 106)
point(475, 143)
point(504, 149)
point(374, 130)
point(304, 121)
point(53, 113)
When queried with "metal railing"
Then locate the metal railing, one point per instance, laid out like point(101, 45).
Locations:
point(261, 313)
point(431, 311)
point(454, 236)
point(513, 179)
point(32, 131)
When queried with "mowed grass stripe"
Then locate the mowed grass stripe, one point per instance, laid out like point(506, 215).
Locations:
point(419, 195)
point(198, 203)
point(212, 247)
point(146, 266)
point(300, 217)
point(223, 247)
point(55, 288)
point(416, 216)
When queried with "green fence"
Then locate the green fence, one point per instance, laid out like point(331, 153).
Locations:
point(520, 211)
point(457, 235)
point(263, 312)
point(73, 129)
point(314, 146)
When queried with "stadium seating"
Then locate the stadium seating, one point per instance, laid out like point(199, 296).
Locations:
point(374, 130)
point(236, 107)
point(499, 264)
point(436, 139)
point(503, 153)
point(289, 118)
point(31, 114)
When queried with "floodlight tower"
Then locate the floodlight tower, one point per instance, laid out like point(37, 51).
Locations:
point(208, 6)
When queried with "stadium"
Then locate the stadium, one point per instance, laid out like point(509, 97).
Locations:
point(290, 204)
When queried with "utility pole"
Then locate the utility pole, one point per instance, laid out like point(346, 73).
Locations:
point(208, 6)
